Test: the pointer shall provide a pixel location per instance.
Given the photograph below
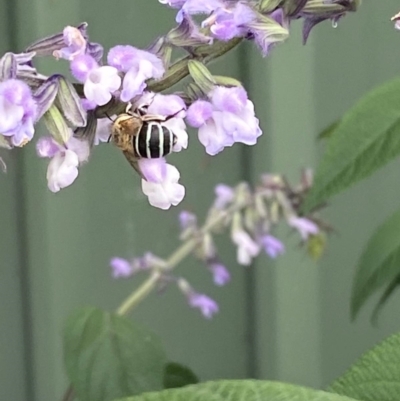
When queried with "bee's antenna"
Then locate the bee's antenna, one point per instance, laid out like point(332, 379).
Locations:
point(109, 117)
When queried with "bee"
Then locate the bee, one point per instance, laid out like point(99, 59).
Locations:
point(141, 135)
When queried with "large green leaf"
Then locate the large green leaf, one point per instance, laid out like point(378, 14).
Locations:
point(367, 138)
point(375, 376)
point(108, 356)
point(379, 264)
point(177, 375)
point(240, 390)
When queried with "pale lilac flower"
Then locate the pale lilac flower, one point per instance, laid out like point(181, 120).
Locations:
point(208, 307)
point(224, 195)
point(161, 184)
point(187, 219)
point(272, 246)
point(62, 170)
point(99, 82)
point(227, 23)
point(121, 268)
point(17, 111)
point(221, 275)
point(47, 147)
point(192, 7)
point(75, 44)
point(304, 226)
point(227, 119)
point(63, 167)
point(138, 66)
point(247, 248)
point(103, 130)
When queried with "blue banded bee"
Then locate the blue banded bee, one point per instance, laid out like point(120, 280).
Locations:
point(141, 135)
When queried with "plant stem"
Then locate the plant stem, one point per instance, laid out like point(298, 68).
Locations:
point(179, 69)
point(175, 258)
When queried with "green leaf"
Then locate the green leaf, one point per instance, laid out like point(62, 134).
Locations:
point(367, 138)
point(108, 356)
point(329, 130)
point(177, 375)
point(379, 264)
point(375, 376)
point(240, 390)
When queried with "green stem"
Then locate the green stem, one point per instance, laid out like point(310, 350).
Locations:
point(180, 70)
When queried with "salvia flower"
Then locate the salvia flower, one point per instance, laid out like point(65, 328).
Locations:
point(221, 275)
point(247, 248)
point(99, 82)
point(304, 226)
point(161, 184)
point(121, 268)
point(224, 195)
point(17, 111)
point(138, 66)
point(75, 44)
point(65, 160)
point(227, 118)
point(192, 7)
point(207, 306)
point(273, 246)
point(229, 22)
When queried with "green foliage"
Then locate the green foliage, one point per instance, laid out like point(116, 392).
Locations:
point(177, 375)
point(367, 138)
point(329, 130)
point(240, 390)
point(108, 356)
point(375, 376)
point(379, 265)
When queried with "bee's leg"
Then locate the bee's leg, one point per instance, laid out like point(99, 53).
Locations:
point(173, 115)
point(128, 109)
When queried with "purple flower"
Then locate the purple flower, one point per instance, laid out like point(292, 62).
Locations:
point(63, 167)
point(191, 7)
point(272, 246)
point(247, 248)
point(17, 111)
point(138, 66)
point(121, 268)
point(75, 44)
point(187, 220)
point(304, 226)
point(103, 130)
point(99, 82)
point(224, 195)
point(161, 184)
point(221, 275)
point(168, 105)
point(227, 119)
point(208, 307)
point(229, 22)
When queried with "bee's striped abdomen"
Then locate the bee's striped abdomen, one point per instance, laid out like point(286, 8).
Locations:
point(154, 141)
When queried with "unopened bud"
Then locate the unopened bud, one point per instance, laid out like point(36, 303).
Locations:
point(201, 76)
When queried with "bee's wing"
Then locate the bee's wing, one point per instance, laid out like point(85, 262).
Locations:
point(88, 133)
point(133, 161)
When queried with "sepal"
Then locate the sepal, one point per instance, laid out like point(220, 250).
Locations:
point(45, 94)
point(201, 76)
point(8, 67)
point(187, 34)
point(69, 103)
point(57, 126)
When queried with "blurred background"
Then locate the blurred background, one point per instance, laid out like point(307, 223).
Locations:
point(286, 320)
